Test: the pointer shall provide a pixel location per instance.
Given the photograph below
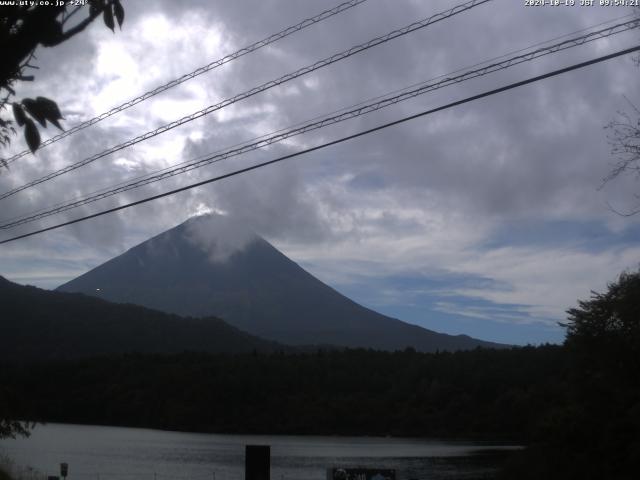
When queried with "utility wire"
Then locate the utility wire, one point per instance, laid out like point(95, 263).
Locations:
point(324, 122)
point(488, 93)
point(199, 71)
point(265, 86)
point(343, 109)
point(266, 140)
point(208, 158)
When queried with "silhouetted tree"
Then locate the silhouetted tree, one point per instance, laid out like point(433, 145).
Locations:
point(624, 138)
point(608, 323)
point(22, 29)
point(10, 428)
point(13, 428)
point(603, 338)
point(596, 433)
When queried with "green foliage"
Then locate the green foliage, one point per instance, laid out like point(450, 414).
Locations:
point(576, 406)
point(43, 325)
point(624, 139)
point(596, 434)
point(13, 428)
point(41, 109)
point(481, 393)
point(609, 323)
point(23, 27)
point(10, 428)
point(31, 135)
point(6, 130)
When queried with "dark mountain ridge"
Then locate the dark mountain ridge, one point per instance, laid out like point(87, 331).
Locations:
point(43, 325)
point(256, 289)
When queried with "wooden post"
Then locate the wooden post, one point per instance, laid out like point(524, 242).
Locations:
point(257, 462)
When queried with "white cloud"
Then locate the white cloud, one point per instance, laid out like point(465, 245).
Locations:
point(420, 198)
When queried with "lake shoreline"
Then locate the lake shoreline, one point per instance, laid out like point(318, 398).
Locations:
point(497, 439)
point(97, 450)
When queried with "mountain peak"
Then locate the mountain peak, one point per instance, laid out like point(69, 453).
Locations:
point(218, 236)
point(211, 265)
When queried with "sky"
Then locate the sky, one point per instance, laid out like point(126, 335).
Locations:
point(489, 219)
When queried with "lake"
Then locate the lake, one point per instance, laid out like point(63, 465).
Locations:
point(115, 453)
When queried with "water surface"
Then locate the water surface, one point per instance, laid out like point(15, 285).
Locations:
point(116, 453)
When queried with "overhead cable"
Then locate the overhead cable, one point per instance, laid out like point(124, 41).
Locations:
point(360, 110)
point(199, 71)
point(334, 142)
point(265, 86)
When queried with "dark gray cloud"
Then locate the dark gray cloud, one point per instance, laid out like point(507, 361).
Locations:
point(426, 196)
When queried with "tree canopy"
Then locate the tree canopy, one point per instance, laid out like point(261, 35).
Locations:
point(608, 320)
point(25, 26)
point(595, 432)
point(624, 138)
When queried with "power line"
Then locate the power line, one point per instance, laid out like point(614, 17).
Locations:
point(361, 109)
point(267, 140)
point(265, 86)
point(199, 71)
point(343, 109)
point(479, 96)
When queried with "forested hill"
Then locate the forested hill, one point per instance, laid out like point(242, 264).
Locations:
point(576, 406)
point(39, 324)
point(480, 393)
point(256, 288)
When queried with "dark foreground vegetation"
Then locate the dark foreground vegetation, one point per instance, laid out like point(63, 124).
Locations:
point(39, 325)
point(575, 406)
point(487, 393)
point(594, 433)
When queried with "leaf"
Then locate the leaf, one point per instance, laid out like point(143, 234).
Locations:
point(35, 110)
point(94, 8)
point(50, 110)
point(31, 135)
point(50, 33)
point(18, 114)
point(118, 12)
point(50, 107)
point(107, 15)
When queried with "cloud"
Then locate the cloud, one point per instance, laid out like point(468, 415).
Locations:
point(436, 196)
point(219, 236)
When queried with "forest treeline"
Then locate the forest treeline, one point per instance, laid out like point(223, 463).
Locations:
point(39, 325)
point(480, 393)
point(575, 406)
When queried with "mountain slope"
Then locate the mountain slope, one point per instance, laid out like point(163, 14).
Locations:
point(256, 288)
point(39, 324)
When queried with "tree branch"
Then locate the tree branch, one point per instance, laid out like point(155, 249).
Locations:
point(80, 27)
